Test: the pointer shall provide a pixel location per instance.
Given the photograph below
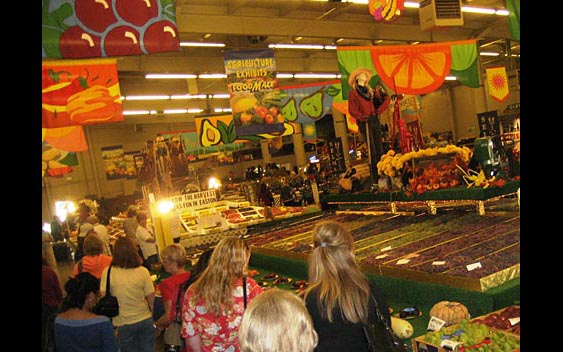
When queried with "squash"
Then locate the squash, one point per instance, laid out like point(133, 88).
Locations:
point(451, 312)
point(402, 328)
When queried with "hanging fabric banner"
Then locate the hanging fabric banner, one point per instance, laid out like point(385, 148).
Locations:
point(80, 92)
point(56, 162)
point(69, 138)
point(307, 103)
point(412, 69)
point(386, 10)
point(74, 29)
point(497, 82)
point(513, 7)
point(254, 91)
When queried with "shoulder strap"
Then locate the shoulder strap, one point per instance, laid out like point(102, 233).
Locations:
point(80, 266)
point(107, 281)
point(178, 308)
point(244, 290)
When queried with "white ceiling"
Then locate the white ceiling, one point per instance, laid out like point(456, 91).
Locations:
point(253, 24)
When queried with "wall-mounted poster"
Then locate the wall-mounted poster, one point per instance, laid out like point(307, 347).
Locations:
point(114, 162)
point(129, 158)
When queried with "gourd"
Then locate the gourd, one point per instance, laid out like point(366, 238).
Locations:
point(451, 312)
point(402, 328)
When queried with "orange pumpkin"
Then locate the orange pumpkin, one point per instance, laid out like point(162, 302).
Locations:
point(451, 312)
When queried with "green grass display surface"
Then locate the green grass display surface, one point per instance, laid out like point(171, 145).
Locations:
point(401, 293)
point(457, 193)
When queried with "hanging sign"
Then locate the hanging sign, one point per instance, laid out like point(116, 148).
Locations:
point(497, 82)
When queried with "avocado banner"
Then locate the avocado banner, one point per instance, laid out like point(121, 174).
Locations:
point(74, 29)
point(254, 91)
point(80, 92)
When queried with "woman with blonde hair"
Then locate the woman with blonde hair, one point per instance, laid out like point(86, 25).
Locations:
point(214, 304)
point(277, 321)
point(339, 297)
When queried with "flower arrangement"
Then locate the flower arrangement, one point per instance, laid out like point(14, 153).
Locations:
point(391, 164)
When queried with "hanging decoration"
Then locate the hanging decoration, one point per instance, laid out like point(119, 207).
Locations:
point(413, 69)
point(69, 138)
point(254, 91)
point(386, 10)
point(80, 92)
point(56, 162)
point(497, 82)
point(101, 28)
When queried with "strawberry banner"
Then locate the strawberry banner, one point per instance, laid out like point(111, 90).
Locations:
point(80, 92)
point(101, 28)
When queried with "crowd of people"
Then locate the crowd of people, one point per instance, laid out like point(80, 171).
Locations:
point(214, 306)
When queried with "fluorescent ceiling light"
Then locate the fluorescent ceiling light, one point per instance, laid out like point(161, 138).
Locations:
point(284, 75)
point(221, 96)
point(451, 78)
point(502, 12)
point(338, 40)
point(296, 46)
point(478, 10)
point(203, 45)
point(488, 53)
point(136, 112)
point(169, 75)
point(412, 5)
point(175, 111)
point(223, 110)
point(195, 111)
point(212, 75)
point(147, 97)
point(188, 96)
point(316, 75)
point(330, 47)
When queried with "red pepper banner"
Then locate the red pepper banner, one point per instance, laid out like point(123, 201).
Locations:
point(80, 92)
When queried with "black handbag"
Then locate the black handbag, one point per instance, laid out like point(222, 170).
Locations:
point(380, 336)
point(108, 305)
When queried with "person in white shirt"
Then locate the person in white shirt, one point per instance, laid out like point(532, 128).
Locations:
point(102, 232)
point(147, 241)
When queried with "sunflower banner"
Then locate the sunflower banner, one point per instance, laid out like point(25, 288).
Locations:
point(497, 82)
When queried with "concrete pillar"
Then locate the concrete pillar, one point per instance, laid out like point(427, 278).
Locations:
point(341, 130)
point(299, 147)
point(266, 156)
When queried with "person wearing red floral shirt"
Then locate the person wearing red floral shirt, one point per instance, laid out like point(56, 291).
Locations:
point(214, 304)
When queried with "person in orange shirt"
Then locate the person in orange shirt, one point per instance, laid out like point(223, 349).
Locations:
point(94, 260)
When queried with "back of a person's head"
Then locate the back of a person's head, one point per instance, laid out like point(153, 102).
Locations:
point(277, 321)
point(93, 245)
point(227, 263)
point(93, 219)
point(78, 288)
point(141, 216)
point(174, 253)
point(131, 212)
point(199, 267)
point(125, 254)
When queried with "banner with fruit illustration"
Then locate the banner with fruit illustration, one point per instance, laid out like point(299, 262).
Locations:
point(80, 92)
point(69, 138)
point(308, 103)
point(114, 162)
point(56, 162)
point(73, 29)
point(254, 91)
point(497, 83)
point(412, 69)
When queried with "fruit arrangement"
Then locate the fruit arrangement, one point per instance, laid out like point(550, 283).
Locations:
point(451, 312)
point(474, 337)
point(256, 108)
point(501, 320)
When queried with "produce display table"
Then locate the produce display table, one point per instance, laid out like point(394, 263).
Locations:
point(431, 199)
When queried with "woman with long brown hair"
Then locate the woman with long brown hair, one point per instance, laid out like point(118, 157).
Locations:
point(339, 295)
point(214, 304)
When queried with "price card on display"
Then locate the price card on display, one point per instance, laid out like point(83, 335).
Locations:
point(439, 262)
point(514, 321)
point(450, 345)
point(435, 324)
point(473, 266)
point(402, 261)
point(412, 255)
point(385, 249)
point(381, 256)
